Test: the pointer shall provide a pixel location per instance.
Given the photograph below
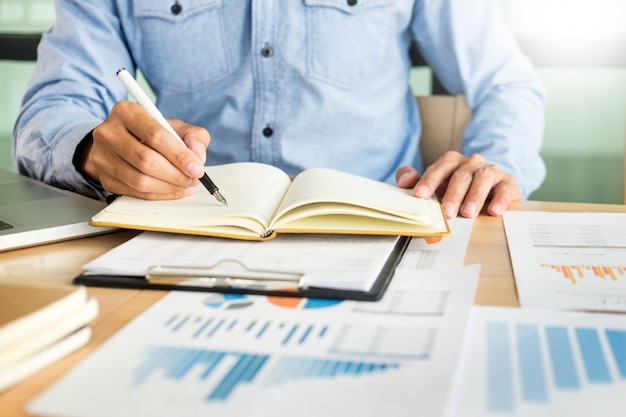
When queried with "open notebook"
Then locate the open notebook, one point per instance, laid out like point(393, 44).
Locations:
point(33, 213)
point(264, 202)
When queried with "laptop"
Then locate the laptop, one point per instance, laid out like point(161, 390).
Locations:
point(33, 213)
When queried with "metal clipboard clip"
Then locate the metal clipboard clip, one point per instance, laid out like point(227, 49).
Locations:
point(228, 273)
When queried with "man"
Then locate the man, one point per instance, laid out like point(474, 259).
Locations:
point(296, 84)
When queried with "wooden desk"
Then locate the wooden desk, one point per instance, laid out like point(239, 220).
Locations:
point(61, 262)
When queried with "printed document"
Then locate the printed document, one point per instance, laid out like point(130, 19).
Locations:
point(573, 261)
point(521, 362)
point(199, 354)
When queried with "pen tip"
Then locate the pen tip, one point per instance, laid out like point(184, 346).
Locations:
point(219, 197)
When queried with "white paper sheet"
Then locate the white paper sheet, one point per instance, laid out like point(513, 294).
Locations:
point(448, 252)
point(574, 261)
point(199, 354)
point(530, 362)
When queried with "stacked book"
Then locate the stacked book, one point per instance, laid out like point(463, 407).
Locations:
point(40, 325)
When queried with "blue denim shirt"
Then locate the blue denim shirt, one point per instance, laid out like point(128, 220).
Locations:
point(296, 84)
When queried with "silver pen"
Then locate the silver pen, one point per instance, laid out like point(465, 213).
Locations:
point(142, 98)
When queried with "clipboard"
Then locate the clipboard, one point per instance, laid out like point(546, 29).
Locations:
point(256, 282)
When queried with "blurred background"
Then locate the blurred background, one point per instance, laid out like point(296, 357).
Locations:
point(578, 47)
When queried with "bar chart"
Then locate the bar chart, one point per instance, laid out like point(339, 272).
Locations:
point(574, 273)
point(276, 332)
point(559, 360)
point(288, 348)
point(224, 371)
point(539, 366)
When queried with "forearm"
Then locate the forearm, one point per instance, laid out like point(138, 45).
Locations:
point(72, 90)
point(45, 146)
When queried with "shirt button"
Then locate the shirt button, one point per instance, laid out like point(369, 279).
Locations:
point(267, 52)
point(268, 131)
point(352, 2)
point(176, 8)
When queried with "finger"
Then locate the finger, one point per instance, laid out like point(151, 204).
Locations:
point(459, 184)
point(124, 178)
point(114, 186)
point(180, 163)
point(406, 177)
point(153, 164)
point(437, 174)
point(124, 165)
point(485, 179)
point(504, 194)
point(488, 181)
point(196, 138)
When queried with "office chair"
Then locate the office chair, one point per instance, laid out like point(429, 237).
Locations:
point(19, 46)
point(444, 119)
point(624, 192)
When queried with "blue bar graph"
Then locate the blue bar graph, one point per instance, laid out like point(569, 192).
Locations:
point(244, 368)
point(297, 368)
point(617, 342)
point(563, 366)
point(520, 357)
point(177, 362)
point(594, 361)
point(531, 365)
point(499, 368)
point(216, 326)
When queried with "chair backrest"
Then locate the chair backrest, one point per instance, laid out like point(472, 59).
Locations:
point(444, 119)
point(19, 46)
point(624, 193)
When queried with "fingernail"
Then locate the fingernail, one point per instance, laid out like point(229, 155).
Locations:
point(470, 209)
point(195, 170)
point(422, 191)
point(449, 209)
point(190, 191)
point(496, 208)
point(403, 176)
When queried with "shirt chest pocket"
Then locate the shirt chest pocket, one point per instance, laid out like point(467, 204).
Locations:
point(183, 45)
point(348, 40)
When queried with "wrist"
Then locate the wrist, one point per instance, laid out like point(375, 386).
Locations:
point(81, 158)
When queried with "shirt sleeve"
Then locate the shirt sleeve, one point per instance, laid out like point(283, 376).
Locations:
point(473, 53)
point(71, 91)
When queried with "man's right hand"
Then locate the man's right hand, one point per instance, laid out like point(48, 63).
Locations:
point(132, 154)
